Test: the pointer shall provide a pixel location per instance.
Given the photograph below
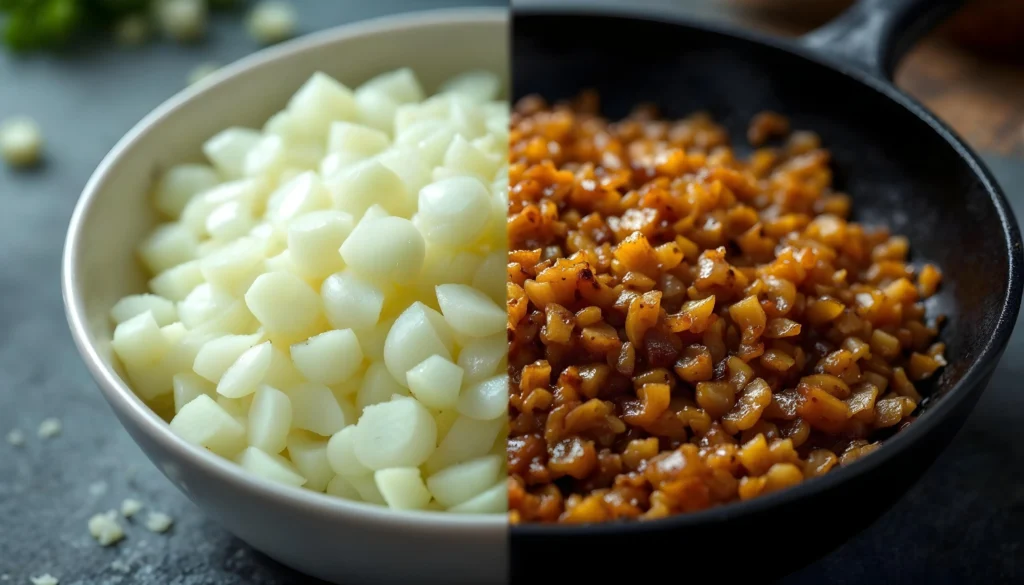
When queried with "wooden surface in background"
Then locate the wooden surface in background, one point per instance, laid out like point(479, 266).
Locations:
point(981, 98)
point(970, 72)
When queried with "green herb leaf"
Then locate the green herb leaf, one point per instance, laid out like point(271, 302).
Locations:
point(19, 31)
point(57, 21)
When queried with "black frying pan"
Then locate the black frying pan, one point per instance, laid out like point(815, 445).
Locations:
point(901, 166)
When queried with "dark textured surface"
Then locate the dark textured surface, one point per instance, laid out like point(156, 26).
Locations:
point(964, 522)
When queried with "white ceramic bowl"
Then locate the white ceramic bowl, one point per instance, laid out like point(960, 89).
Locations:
point(330, 538)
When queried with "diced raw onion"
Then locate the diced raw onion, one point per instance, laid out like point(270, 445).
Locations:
point(399, 433)
point(188, 386)
point(340, 487)
point(325, 304)
point(351, 302)
point(341, 454)
point(329, 358)
point(467, 438)
point(227, 150)
point(491, 501)
point(315, 409)
point(388, 248)
point(469, 311)
point(416, 335)
point(377, 386)
point(270, 419)
point(180, 183)
point(454, 211)
point(460, 482)
point(366, 485)
point(251, 368)
point(138, 341)
point(270, 466)
point(284, 304)
point(435, 382)
point(217, 355)
point(402, 488)
point(204, 422)
point(482, 357)
point(311, 234)
point(485, 400)
point(309, 454)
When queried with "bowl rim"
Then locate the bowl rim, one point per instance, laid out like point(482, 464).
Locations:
point(127, 404)
point(976, 374)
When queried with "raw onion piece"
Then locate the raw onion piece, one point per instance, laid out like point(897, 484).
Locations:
point(21, 141)
point(398, 433)
point(461, 482)
point(341, 454)
point(402, 488)
point(315, 409)
point(436, 382)
point(468, 438)
point(309, 454)
point(485, 400)
point(329, 358)
point(378, 386)
point(351, 302)
point(270, 419)
point(138, 341)
point(469, 311)
point(491, 501)
point(187, 387)
point(204, 422)
point(270, 466)
point(217, 355)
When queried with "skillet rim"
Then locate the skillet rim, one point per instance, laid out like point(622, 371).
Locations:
point(939, 413)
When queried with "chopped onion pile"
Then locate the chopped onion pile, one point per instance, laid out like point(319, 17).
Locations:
point(327, 306)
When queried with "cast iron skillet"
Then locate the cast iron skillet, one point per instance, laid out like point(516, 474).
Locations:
point(902, 167)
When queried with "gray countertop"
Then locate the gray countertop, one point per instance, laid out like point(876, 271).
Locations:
point(963, 522)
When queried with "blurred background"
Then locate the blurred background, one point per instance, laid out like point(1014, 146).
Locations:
point(87, 76)
point(970, 70)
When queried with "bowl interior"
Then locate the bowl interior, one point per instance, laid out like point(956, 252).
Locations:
point(115, 213)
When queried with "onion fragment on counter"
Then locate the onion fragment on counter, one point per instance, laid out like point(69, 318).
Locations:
point(105, 528)
point(182, 20)
point(21, 141)
point(272, 21)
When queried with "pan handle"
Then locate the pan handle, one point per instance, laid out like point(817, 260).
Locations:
point(875, 34)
